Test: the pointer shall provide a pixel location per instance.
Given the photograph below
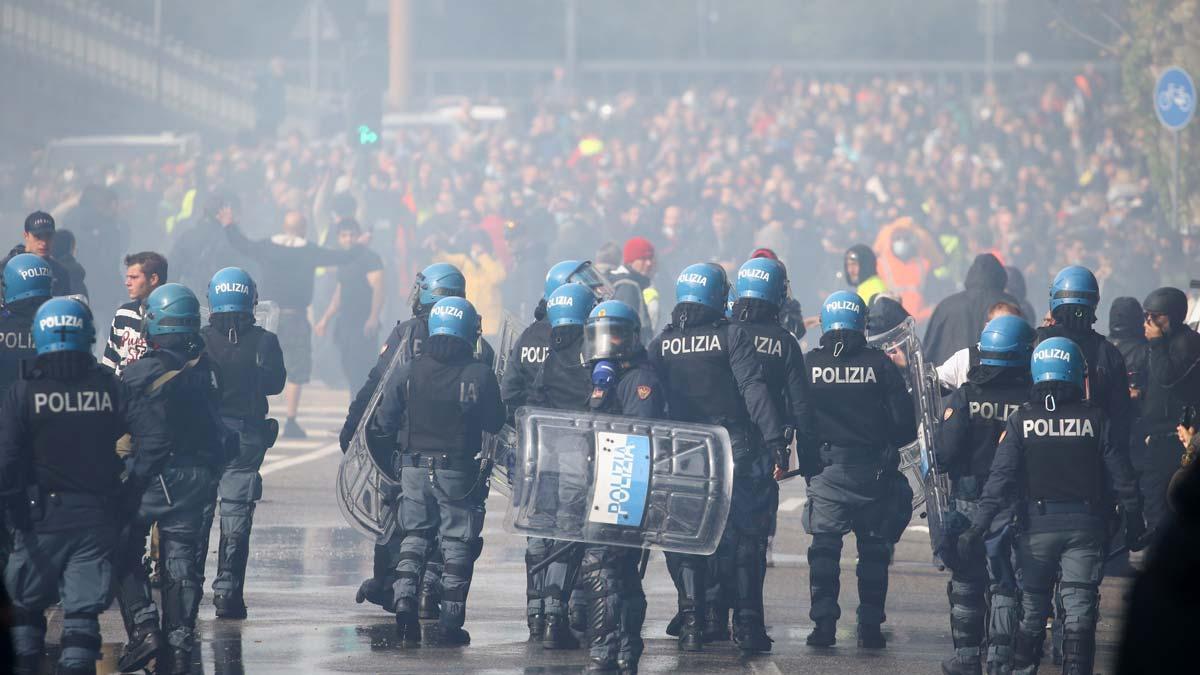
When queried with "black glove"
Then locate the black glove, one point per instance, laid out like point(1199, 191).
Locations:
point(1135, 530)
point(783, 458)
point(970, 544)
point(809, 462)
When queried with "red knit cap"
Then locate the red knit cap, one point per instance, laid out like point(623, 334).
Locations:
point(637, 248)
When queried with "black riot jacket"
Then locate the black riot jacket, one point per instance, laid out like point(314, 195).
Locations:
point(564, 380)
point(975, 417)
point(782, 364)
point(192, 399)
point(1107, 377)
point(16, 338)
point(250, 362)
point(711, 373)
point(857, 396)
point(526, 358)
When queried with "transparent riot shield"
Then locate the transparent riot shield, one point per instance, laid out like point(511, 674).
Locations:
point(499, 450)
point(917, 460)
point(624, 481)
point(266, 315)
point(366, 489)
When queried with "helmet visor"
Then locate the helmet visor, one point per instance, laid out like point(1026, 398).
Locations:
point(606, 338)
point(589, 276)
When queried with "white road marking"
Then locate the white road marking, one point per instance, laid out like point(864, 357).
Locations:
point(307, 457)
point(792, 503)
point(917, 528)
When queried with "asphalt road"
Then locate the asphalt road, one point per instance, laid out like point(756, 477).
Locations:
point(306, 564)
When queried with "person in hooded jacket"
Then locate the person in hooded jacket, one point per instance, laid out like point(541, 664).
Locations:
point(1126, 332)
point(958, 319)
point(1172, 387)
point(251, 363)
point(859, 267)
point(1015, 286)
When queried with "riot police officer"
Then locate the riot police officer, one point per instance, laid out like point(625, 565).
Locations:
point(251, 365)
point(623, 383)
point(27, 284)
point(437, 406)
point(526, 358)
point(1059, 453)
point(712, 377)
point(437, 281)
point(61, 483)
point(563, 382)
point(861, 411)
point(974, 419)
point(761, 290)
point(175, 369)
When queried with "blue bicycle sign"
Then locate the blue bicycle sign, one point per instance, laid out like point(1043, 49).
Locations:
point(1175, 98)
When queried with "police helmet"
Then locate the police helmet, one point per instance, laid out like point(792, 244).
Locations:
point(27, 276)
point(1169, 301)
point(764, 279)
point(569, 305)
point(1057, 359)
point(1005, 341)
point(704, 284)
point(730, 301)
point(580, 272)
point(1074, 285)
point(843, 310)
point(613, 331)
point(455, 317)
point(439, 280)
point(63, 325)
point(232, 290)
point(172, 309)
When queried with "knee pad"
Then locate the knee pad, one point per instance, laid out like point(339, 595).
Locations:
point(1080, 602)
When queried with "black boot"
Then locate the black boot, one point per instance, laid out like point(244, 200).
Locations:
point(716, 624)
point(870, 637)
point(429, 602)
point(673, 626)
point(691, 631)
point(450, 636)
point(375, 591)
point(627, 666)
point(604, 665)
point(143, 647)
point(751, 635)
point(408, 628)
point(557, 633)
point(959, 665)
point(537, 624)
point(232, 555)
point(824, 634)
point(1079, 651)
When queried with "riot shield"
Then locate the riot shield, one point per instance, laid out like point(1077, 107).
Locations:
point(624, 481)
point(266, 315)
point(499, 450)
point(917, 460)
point(365, 486)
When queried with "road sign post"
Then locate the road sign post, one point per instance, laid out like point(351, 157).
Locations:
point(1175, 103)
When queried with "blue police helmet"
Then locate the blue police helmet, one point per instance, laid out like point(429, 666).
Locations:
point(569, 305)
point(440, 280)
point(27, 276)
point(704, 284)
point(455, 317)
point(559, 274)
point(613, 331)
point(764, 279)
point(1074, 285)
point(1005, 341)
point(172, 309)
point(63, 325)
point(843, 310)
point(1057, 359)
point(232, 290)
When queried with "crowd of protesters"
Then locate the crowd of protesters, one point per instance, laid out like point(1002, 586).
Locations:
point(1040, 173)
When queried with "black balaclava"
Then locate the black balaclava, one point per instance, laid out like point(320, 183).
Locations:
point(65, 365)
point(754, 310)
point(446, 348)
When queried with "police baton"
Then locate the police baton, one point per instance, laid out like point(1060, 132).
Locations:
point(558, 553)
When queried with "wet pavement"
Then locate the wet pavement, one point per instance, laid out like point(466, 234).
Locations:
point(306, 564)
